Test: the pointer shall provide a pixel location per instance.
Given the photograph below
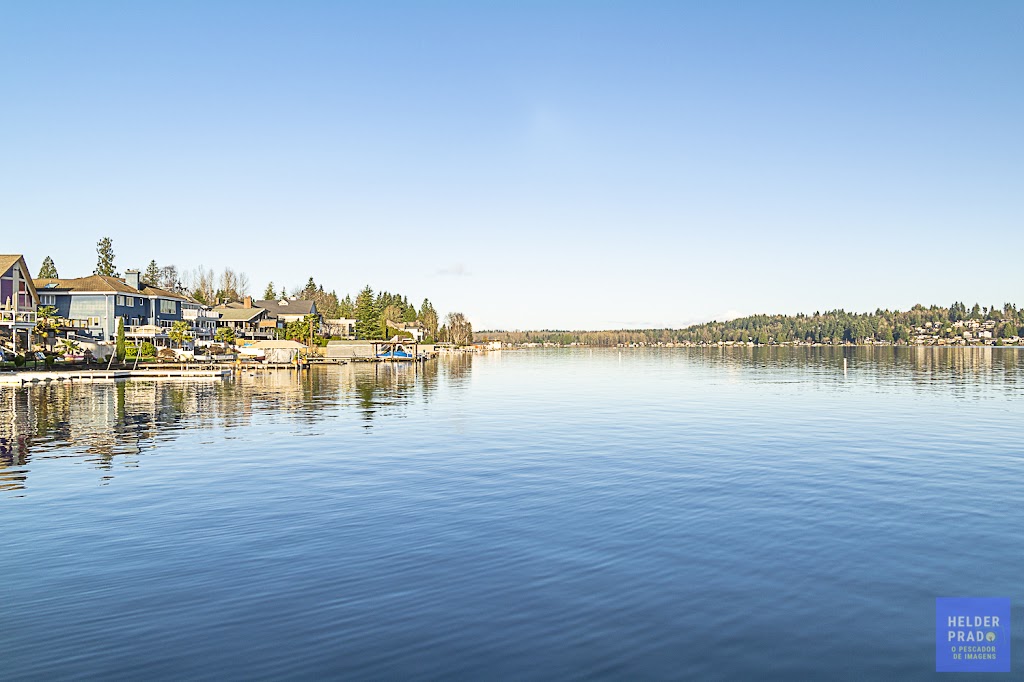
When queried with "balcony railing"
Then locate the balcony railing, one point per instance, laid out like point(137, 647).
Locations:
point(19, 317)
point(193, 314)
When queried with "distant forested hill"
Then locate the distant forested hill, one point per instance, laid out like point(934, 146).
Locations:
point(830, 327)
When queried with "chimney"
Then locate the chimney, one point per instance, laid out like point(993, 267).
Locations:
point(131, 278)
point(248, 302)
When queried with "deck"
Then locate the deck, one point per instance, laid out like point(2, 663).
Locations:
point(101, 375)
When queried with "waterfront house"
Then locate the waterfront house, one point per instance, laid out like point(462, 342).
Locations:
point(247, 320)
point(288, 309)
point(96, 303)
point(18, 302)
point(342, 327)
point(415, 330)
point(201, 318)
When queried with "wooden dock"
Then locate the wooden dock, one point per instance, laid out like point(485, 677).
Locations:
point(102, 375)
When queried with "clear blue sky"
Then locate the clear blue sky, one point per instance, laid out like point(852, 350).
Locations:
point(571, 165)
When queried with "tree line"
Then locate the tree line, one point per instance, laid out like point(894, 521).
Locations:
point(829, 327)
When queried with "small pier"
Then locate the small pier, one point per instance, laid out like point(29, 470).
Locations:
point(102, 375)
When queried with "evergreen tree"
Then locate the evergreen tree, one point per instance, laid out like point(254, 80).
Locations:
point(105, 258)
point(428, 316)
point(346, 308)
point(332, 306)
point(268, 293)
point(48, 270)
point(121, 347)
point(367, 315)
point(152, 274)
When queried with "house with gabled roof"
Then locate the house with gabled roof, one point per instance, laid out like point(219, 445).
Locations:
point(247, 320)
point(94, 304)
point(18, 303)
point(288, 309)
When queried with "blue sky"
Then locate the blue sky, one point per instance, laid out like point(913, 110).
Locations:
point(571, 165)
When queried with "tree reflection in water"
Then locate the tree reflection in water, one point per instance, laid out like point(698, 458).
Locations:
point(104, 423)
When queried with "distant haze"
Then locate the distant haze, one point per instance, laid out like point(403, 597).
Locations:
point(549, 165)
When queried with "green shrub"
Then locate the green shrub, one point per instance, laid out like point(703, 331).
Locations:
point(19, 360)
point(148, 350)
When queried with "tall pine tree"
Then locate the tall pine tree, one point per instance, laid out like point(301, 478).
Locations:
point(105, 258)
point(367, 315)
point(48, 270)
point(120, 349)
point(152, 274)
point(428, 316)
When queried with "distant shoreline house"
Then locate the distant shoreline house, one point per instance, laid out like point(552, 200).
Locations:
point(289, 309)
point(416, 330)
point(18, 302)
point(261, 320)
point(248, 321)
point(342, 327)
point(93, 305)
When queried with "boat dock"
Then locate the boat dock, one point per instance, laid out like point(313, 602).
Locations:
point(100, 375)
point(217, 370)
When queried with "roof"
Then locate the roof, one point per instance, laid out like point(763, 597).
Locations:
point(238, 314)
point(295, 345)
point(7, 260)
point(105, 284)
point(287, 306)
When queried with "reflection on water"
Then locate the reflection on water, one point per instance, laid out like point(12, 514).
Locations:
point(964, 372)
point(103, 421)
point(711, 514)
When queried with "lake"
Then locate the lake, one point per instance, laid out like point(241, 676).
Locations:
point(750, 513)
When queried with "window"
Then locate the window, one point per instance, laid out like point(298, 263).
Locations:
point(47, 299)
point(168, 307)
point(119, 300)
point(130, 301)
point(94, 321)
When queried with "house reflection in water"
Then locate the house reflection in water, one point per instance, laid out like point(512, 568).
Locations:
point(109, 425)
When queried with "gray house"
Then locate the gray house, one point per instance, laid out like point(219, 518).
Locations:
point(247, 321)
point(288, 309)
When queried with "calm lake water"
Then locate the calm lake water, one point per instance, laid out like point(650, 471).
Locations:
point(685, 513)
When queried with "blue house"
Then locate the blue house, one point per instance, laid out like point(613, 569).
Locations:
point(95, 303)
